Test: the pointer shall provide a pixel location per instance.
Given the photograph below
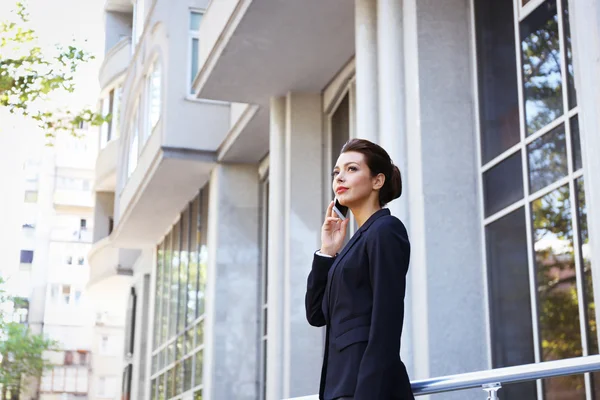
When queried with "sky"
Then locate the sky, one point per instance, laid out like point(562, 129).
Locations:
point(56, 22)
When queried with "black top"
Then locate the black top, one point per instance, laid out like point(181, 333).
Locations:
point(359, 296)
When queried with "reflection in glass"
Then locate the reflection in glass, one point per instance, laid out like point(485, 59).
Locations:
point(187, 374)
point(193, 264)
point(198, 364)
point(510, 299)
point(547, 159)
point(198, 395)
point(576, 143)
point(169, 385)
point(588, 287)
point(203, 250)
point(558, 306)
point(200, 333)
point(541, 67)
point(166, 287)
point(178, 379)
point(161, 387)
point(569, 53)
point(183, 270)
point(503, 184)
point(497, 78)
point(175, 279)
point(584, 241)
point(157, 305)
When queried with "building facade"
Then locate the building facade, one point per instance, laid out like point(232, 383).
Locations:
point(56, 225)
point(231, 114)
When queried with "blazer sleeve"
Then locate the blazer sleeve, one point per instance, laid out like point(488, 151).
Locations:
point(388, 251)
point(315, 289)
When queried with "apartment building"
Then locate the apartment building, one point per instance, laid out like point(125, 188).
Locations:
point(230, 115)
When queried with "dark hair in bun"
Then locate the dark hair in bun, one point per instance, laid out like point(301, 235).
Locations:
point(379, 162)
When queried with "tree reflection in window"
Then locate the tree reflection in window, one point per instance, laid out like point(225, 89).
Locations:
point(558, 306)
point(541, 68)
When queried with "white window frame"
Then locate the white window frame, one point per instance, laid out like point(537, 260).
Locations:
point(133, 148)
point(192, 34)
point(153, 81)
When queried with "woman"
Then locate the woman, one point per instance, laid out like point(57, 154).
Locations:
point(358, 291)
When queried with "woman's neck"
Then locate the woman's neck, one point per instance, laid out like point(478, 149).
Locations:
point(363, 212)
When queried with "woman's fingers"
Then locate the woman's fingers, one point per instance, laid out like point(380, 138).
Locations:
point(329, 209)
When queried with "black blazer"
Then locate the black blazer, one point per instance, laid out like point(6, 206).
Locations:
point(359, 296)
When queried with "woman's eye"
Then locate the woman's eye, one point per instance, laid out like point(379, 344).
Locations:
point(334, 173)
point(352, 168)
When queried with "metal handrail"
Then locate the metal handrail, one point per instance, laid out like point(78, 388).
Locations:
point(491, 380)
point(519, 373)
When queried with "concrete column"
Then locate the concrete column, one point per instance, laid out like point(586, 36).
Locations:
point(303, 350)
point(447, 275)
point(276, 248)
point(585, 31)
point(233, 240)
point(367, 100)
point(392, 123)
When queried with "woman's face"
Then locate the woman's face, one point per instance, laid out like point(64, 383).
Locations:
point(352, 180)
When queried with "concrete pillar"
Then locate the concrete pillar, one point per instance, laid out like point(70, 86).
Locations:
point(585, 33)
point(443, 202)
point(303, 350)
point(392, 123)
point(367, 100)
point(276, 250)
point(232, 288)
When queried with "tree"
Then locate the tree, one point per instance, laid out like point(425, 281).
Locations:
point(28, 77)
point(21, 352)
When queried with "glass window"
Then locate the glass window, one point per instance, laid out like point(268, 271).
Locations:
point(556, 285)
point(572, 93)
point(158, 294)
point(503, 184)
point(195, 19)
point(193, 263)
point(198, 364)
point(544, 44)
point(183, 270)
point(26, 256)
point(547, 159)
point(166, 288)
point(133, 144)
point(541, 56)
point(116, 112)
point(154, 98)
point(498, 84)
point(31, 196)
point(187, 374)
point(66, 294)
point(175, 274)
point(510, 300)
point(576, 143)
point(194, 61)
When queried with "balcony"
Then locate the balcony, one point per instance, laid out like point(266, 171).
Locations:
point(110, 265)
point(71, 235)
point(115, 62)
point(125, 6)
point(252, 50)
point(73, 198)
point(106, 167)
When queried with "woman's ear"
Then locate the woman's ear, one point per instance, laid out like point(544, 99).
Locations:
point(378, 181)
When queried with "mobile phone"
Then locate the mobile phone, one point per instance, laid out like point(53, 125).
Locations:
point(340, 210)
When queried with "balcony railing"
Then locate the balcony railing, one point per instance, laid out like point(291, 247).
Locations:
point(491, 381)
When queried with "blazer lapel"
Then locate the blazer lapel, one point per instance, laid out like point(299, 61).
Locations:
point(355, 237)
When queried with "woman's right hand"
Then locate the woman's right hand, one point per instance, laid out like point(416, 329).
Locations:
point(333, 232)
